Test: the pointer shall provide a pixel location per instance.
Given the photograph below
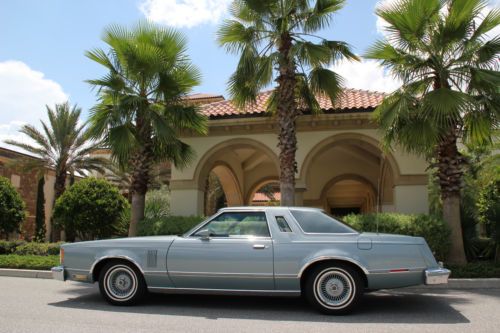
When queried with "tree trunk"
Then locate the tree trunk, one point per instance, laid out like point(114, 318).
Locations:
point(450, 180)
point(287, 114)
point(137, 212)
point(141, 168)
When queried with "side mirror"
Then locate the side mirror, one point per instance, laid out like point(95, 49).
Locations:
point(204, 234)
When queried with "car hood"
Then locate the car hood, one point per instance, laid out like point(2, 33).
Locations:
point(132, 241)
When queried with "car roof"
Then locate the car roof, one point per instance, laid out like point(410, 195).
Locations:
point(264, 208)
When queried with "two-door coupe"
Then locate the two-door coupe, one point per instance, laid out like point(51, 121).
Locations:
point(255, 251)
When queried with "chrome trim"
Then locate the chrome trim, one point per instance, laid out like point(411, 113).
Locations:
point(58, 273)
point(285, 276)
point(155, 272)
point(323, 258)
point(114, 257)
point(219, 275)
point(169, 290)
point(437, 275)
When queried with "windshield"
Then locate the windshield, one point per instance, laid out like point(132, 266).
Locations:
point(318, 222)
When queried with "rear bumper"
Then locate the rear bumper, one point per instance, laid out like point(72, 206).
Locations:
point(437, 276)
point(58, 273)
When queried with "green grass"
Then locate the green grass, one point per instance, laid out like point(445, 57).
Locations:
point(478, 269)
point(28, 261)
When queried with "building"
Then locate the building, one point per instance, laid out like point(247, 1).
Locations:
point(26, 184)
point(341, 167)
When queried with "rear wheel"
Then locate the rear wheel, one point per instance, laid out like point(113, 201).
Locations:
point(121, 283)
point(334, 288)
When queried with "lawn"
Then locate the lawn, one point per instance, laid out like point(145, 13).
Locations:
point(28, 261)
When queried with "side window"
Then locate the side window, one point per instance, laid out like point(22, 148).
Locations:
point(235, 224)
point(282, 224)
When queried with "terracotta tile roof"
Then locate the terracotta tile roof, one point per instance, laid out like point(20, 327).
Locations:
point(351, 99)
point(261, 197)
point(202, 99)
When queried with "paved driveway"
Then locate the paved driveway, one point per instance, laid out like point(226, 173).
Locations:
point(37, 305)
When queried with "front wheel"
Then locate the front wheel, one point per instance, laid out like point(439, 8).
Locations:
point(334, 288)
point(121, 283)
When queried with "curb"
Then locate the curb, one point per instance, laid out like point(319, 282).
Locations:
point(493, 283)
point(25, 273)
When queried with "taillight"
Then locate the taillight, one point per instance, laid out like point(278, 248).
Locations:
point(61, 256)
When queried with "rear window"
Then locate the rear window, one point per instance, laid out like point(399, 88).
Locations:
point(318, 222)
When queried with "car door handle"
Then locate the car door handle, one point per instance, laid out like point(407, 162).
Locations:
point(259, 247)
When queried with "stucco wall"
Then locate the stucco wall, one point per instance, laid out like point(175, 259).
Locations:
point(410, 170)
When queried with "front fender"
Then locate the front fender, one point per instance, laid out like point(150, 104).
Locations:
point(128, 255)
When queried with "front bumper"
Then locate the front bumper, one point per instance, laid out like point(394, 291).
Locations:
point(437, 275)
point(58, 273)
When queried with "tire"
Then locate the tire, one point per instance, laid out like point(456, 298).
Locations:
point(334, 289)
point(121, 283)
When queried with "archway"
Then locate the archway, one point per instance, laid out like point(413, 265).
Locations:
point(264, 193)
point(237, 164)
point(349, 194)
point(352, 162)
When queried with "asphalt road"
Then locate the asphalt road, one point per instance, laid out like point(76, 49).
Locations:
point(37, 306)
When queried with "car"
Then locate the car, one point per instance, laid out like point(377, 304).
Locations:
point(282, 251)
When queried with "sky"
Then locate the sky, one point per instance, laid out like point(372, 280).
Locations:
point(42, 45)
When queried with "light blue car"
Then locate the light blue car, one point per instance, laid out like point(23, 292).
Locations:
point(282, 251)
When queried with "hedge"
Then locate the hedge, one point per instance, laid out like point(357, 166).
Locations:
point(433, 229)
point(168, 225)
point(20, 247)
point(475, 270)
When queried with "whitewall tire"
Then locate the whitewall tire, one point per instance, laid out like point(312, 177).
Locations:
point(334, 288)
point(121, 283)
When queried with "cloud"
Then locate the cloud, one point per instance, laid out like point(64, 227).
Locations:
point(184, 13)
point(367, 75)
point(24, 93)
point(381, 24)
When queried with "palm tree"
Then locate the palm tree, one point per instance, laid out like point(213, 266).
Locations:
point(440, 50)
point(141, 108)
point(276, 40)
point(63, 145)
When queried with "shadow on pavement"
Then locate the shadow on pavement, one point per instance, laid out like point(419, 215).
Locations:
point(379, 307)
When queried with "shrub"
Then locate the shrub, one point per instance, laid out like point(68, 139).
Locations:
point(91, 209)
point(12, 208)
point(40, 211)
point(474, 270)
point(157, 203)
point(8, 247)
point(38, 249)
point(21, 247)
point(168, 225)
point(433, 229)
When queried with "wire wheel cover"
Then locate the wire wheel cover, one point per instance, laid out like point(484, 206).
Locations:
point(120, 282)
point(334, 288)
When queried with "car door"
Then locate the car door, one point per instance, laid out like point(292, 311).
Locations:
point(233, 251)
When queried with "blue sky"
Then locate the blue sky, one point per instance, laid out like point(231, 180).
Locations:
point(42, 45)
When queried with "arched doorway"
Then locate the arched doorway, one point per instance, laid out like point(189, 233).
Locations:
point(234, 166)
point(265, 193)
point(359, 177)
point(349, 194)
